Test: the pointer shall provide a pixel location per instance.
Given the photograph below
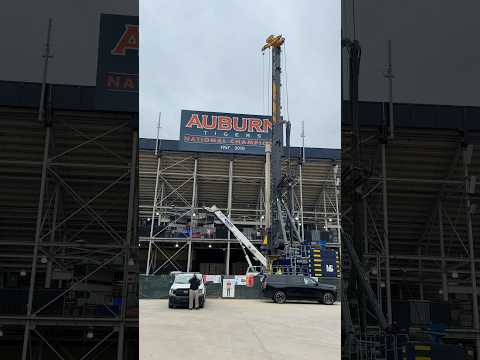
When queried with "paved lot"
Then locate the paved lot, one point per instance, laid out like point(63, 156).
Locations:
point(235, 329)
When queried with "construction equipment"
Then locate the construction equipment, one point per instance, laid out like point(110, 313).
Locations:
point(278, 233)
point(282, 236)
point(275, 233)
point(286, 251)
point(238, 234)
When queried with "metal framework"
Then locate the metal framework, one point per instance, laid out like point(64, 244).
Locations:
point(175, 186)
point(419, 217)
point(68, 210)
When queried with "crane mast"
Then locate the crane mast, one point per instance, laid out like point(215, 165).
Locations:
point(280, 230)
point(275, 231)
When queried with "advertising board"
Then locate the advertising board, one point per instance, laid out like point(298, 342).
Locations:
point(117, 64)
point(224, 132)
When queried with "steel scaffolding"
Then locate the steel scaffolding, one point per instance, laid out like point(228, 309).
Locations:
point(419, 197)
point(175, 186)
point(69, 231)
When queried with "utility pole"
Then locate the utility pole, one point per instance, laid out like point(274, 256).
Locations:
point(389, 76)
point(303, 141)
point(276, 234)
point(159, 126)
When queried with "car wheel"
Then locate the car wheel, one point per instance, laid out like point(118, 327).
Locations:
point(328, 298)
point(170, 305)
point(202, 303)
point(279, 297)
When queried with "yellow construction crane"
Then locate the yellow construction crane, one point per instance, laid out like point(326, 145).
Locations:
point(273, 41)
point(275, 237)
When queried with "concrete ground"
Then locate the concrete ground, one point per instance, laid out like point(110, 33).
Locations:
point(235, 329)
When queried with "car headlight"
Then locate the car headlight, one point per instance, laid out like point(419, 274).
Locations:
point(200, 291)
point(171, 292)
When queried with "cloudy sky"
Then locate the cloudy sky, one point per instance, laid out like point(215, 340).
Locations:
point(205, 55)
point(434, 53)
point(74, 39)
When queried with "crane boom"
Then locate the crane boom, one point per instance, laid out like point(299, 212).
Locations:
point(249, 262)
point(238, 234)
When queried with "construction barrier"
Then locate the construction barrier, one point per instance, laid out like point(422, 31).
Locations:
point(157, 287)
point(153, 286)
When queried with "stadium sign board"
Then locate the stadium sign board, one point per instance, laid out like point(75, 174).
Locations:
point(117, 65)
point(205, 131)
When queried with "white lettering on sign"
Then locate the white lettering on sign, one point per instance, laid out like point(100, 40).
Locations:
point(329, 268)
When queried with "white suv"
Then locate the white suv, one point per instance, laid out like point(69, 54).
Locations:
point(178, 294)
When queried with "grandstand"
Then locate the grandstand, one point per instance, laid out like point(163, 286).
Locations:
point(67, 224)
point(183, 182)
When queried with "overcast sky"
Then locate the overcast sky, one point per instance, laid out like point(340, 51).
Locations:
point(209, 58)
point(74, 39)
point(434, 53)
point(205, 55)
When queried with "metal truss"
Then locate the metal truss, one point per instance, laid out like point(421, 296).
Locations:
point(443, 245)
point(74, 227)
point(178, 202)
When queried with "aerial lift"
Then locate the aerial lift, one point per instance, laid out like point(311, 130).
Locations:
point(244, 241)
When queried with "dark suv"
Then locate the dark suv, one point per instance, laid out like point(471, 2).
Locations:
point(281, 288)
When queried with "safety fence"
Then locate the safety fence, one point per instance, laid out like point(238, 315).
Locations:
point(157, 287)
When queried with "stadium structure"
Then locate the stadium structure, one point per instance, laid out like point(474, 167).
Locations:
point(416, 196)
point(67, 225)
point(177, 234)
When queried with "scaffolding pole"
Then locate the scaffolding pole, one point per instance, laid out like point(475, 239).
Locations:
point(300, 172)
point(229, 210)
point(386, 239)
point(38, 232)
point(155, 196)
point(420, 271)
point(43, 182)
point(127, 242)
point(442, 252)
point(325, 217)
point(467, 156)
point(155, 200)
point(48, 274)
point(337, 205)
point(389, 75)
point(192, 216)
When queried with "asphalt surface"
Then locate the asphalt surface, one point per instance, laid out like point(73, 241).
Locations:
point(236, 329)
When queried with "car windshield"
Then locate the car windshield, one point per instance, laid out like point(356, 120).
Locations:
point(185, 278)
